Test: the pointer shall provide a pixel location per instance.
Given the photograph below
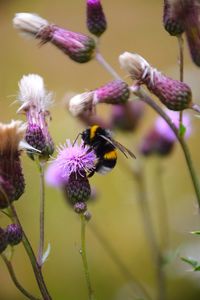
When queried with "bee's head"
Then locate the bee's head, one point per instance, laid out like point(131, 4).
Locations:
point(85, 135)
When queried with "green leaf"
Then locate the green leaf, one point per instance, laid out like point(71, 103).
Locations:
point(197, 232)
point(189, 260)
point(182, 130)
point(197, 268)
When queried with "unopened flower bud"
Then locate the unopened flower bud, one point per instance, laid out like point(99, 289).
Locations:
point(173, 16)
point(174, 94)
point(96, 21)
point(114, 92)
point(87, 215)
point(193, 30)
point(15, 233)
point(77, 46)
point(80, 207)
point(126, 117)
point(3, 240)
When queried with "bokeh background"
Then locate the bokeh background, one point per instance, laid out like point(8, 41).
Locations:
point(135, 26)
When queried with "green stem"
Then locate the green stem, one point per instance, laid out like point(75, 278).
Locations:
point(15, 280)
point(137, 286)
point(181, 69)
point(42, 211)
point(144, 97)
point(150, 234)
point(29, 251)
point(84, 258)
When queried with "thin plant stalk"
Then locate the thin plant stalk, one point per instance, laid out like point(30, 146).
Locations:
point(181, 69)
point(106, 65)
point(163, 219)
point(150, 234)
point(84, 258)
point(33, 260)
point(15, 280)
point(137, 286)
point(42, 214)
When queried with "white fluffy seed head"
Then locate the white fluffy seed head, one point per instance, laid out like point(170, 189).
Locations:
point(80, 103)
point(29, 23)
point(32, 92)
point(134, 64)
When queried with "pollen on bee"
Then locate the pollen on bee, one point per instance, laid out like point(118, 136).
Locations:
point(110, 155)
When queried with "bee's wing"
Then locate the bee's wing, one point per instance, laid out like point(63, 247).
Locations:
point(119, 146)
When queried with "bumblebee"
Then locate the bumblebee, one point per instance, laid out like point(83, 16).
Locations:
point(105, 148)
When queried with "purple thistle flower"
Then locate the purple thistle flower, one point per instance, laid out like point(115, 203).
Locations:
point(174, 94)
point(77, 46)
point(35, 102)
point(12, 183)
point(193, 30)
point(15, 234)
point(173, 16)
point(114, 92)
point(160, 139)
point(96, 21)
point(69, 171)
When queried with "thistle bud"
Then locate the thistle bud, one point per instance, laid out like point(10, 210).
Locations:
point(3, 240)
point(114, 92)
point(96, 21)
point(126, 117)
point(173, 17)
point(77, 46)
point(193, 30)
point(15, 234)
point(174, 94)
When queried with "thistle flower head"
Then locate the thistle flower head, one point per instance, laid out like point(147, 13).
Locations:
point(35, 102)
point(114, 92)
point(69, 171)
point(96, 21)
point(14, 233)
point(173, 16)
point(174, 94)
point(160, 139)
point(74, 159)
point(77, 46)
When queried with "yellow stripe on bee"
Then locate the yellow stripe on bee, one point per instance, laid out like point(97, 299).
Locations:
point(110, 155)
point(93, 130)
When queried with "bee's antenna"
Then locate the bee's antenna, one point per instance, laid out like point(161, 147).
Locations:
point(76, 139)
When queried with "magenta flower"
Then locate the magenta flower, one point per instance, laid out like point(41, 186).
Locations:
point(69, 171)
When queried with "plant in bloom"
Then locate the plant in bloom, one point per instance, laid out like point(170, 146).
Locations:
point(35, 101)
point(69, 171)
point(160, 139)
point(174, 94)
point(77, 46)
point(114, 92)
point(12, 182)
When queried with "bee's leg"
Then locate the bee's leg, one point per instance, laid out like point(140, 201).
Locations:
point(91, 173)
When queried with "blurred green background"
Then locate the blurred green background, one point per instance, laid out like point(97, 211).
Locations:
point(135, 26)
